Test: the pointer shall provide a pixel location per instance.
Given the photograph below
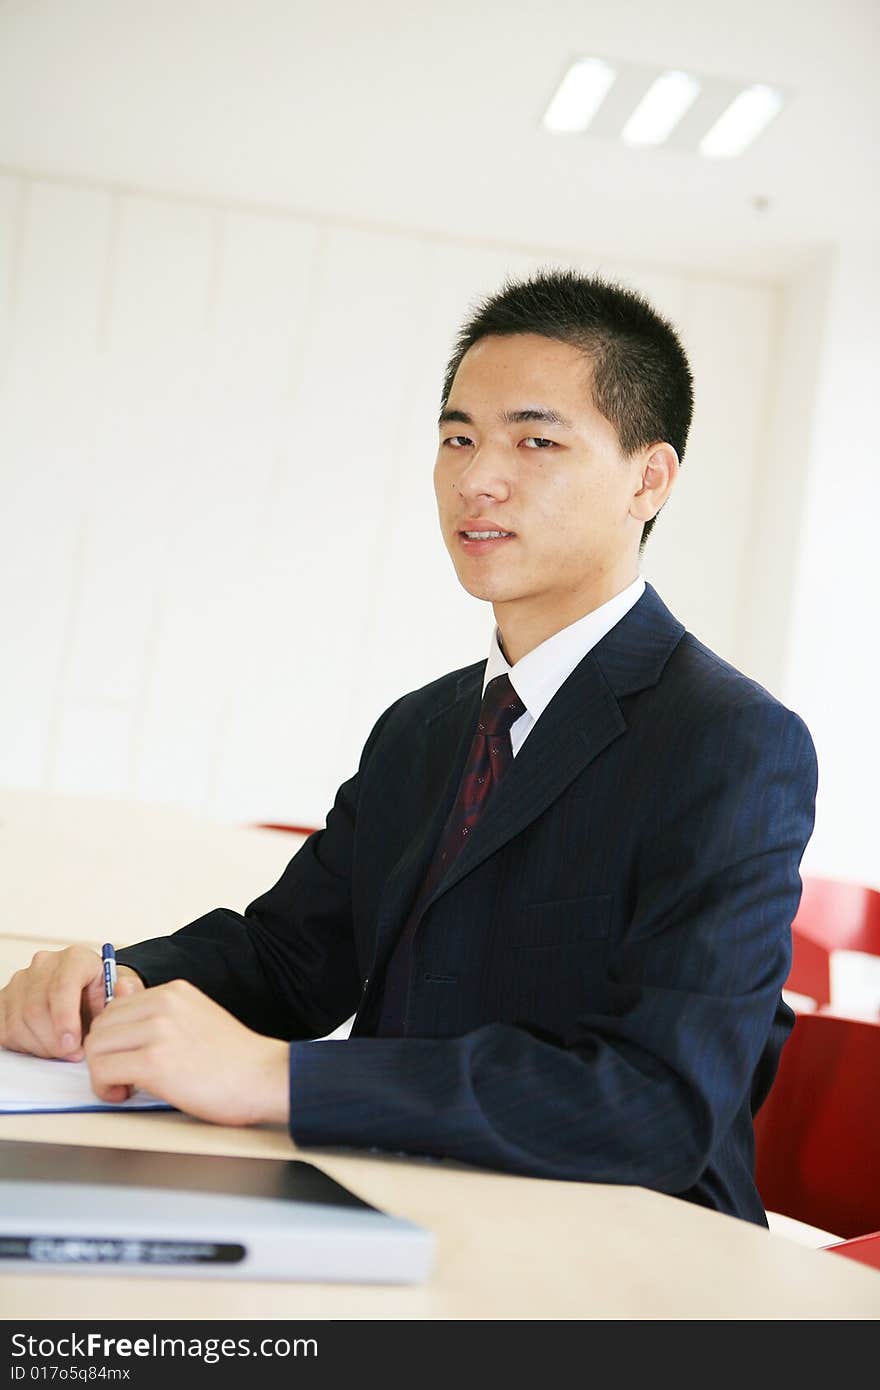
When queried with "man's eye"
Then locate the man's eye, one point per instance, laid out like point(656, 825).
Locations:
point(457, 441)
point(535, 442)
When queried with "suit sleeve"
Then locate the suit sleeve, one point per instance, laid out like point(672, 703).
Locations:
point(287, 967)
point(645, 1090)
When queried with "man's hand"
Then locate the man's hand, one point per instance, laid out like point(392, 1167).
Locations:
point(48, 1008)
point(176, 1043)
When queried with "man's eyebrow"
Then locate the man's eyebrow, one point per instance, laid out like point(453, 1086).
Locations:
point(542, 414)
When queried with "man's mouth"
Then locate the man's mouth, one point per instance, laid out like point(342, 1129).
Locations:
point(483, 540)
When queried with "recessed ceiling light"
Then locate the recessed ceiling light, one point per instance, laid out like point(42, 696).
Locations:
point(660, 109)
point(579, 96)
point(742, 122)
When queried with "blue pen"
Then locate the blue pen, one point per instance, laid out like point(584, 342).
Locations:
point(108, 956)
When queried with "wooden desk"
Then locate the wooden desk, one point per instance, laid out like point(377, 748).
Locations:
point(507, 1247)
point(80, 868)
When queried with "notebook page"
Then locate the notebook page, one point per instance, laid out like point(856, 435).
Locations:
point(31, 1085)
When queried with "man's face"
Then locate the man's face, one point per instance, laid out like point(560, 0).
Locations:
point(523, 450)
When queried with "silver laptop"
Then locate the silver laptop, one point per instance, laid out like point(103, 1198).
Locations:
point(129, 1211)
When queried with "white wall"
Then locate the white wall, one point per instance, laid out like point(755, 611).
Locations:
point(782, 484)
point(832, 662)
point(218, 533)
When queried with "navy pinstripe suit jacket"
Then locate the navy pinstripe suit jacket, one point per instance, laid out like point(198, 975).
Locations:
point(596, 987)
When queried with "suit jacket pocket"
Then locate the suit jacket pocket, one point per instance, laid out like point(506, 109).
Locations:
point(550, 970)
point(559, 922)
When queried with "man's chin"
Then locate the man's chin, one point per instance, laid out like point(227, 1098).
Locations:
point(487, 591)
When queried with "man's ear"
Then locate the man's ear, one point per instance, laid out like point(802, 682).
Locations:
point(658, 470)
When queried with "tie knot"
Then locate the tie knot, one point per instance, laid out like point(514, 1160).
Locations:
point(501, 707)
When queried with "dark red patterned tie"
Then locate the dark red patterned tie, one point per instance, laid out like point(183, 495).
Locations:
point(489, 758)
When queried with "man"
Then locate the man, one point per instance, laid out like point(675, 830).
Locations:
point(558, 890)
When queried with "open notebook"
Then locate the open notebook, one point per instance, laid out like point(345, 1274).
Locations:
point(30, 1085)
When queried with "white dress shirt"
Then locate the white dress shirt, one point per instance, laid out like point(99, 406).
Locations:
point(537, 676)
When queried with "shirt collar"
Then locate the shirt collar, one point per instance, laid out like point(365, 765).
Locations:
point(538, 675)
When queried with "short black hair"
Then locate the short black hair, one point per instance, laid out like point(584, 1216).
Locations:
point(641, 379)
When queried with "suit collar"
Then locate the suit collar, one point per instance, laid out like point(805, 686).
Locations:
point(538, 675)
point(631, 656)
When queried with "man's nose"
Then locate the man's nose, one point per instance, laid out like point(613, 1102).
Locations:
point(488, 473)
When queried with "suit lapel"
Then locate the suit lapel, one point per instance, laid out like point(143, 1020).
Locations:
point(447, 735)
point(581, 720)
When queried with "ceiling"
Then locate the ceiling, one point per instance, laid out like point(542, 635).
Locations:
point(427, 116)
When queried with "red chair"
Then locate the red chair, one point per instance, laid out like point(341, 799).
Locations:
point(817, 1135)
point(288, 829)
point(865, 1249)
point(832, 916)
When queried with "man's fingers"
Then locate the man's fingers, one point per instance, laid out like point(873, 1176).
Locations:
point(34, 1026)
point(75, 975)
point(22, 1038)
point(21, 1016)
point(42, 1005)
point(119, 1032)
point(122, 1012)
point(127, 1046)
point(114, 1075)
point(111, 1094)
point(128, 983)
point(83, 980)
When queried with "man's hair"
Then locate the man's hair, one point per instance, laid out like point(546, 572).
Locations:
point(641, 380)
